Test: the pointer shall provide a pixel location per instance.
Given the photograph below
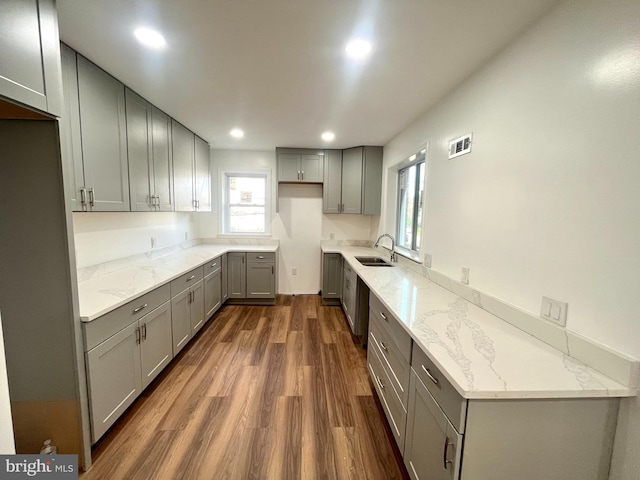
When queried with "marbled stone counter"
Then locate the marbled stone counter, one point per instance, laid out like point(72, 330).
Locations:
point(104, 293)
point(481, 355)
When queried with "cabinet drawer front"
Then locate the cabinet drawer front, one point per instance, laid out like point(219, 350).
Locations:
point(453, 404)
point(261, 257)
point(212, 266)
point(104, 327)
point(394, 363)
point(382, 316)
point(186, 280)
point(393, 409)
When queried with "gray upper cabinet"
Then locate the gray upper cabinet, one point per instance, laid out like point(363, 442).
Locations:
point(30, 54)
point(202, 179)
point(358, 188)
point(104, 140)
point(300, 165)
point(183, 167)
point(149, 149)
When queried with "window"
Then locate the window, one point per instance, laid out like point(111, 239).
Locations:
point(245, 203)
point(410, 203)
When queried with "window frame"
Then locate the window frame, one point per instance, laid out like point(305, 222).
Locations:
point(226, 205)
point(418, 204)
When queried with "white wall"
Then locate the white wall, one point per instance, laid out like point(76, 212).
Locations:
point(299, 225)
point(548, 202)
point(7, 444)
point(102, 236)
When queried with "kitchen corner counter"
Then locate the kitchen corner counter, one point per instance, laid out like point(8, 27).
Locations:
point(481, 355)
point(102, 294)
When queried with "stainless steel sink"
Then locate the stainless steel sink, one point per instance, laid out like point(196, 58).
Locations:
point(373, 262)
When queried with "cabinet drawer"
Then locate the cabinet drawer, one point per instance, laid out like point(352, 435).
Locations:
point(186, 280)
point(393, 409)
point(111, 323)
point(212, 266)
point(451, 402)
point(395, 364)
point(261, 257)
point(379, 314)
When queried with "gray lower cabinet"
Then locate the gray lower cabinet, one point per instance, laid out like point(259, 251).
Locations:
point(332, 272)
point(261, 280)
point(187, 313)
point(30, 55)
point(212, 292)
point(121, 366)
point(236, 275)
point(300, 165)
point(359, 188)
point(149, 152)
point(225, 294)
point(105, 185)
point(349, 294)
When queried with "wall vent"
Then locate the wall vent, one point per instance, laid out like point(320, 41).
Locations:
point(460, 146)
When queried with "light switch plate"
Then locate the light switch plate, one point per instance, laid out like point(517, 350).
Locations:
point(465, 276)
point(554, 310)
point(427, 260)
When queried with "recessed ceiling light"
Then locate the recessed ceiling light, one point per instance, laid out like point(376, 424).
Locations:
point(236, 133)
point(150, 38)
point(358, 48)
point(328, 136)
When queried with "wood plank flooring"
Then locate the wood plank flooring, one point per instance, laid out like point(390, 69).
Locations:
point(262, 393)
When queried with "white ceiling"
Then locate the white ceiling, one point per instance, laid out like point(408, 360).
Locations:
point(277, 69)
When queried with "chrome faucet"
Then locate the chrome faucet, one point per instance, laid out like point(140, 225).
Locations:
point(393, 246)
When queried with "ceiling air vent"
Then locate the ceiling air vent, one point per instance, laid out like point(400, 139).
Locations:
point(460, 146)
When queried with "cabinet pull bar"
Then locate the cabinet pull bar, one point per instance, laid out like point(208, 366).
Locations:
point(144, 331)
point(383, 347)
point(141, 307)
point(83, 196)
point(433, 379)
point(92, 197)
point(302, 175)
point(272, 270)
point(384, 317)
point(137, 335)
point(260, 257)
point(213, 264)
point(191, 278)
point(445, 462)
point(379, 382)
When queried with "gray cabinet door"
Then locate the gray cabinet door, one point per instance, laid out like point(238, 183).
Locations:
point(331, 275)
point(196, 307)
point(70, 140)
point(431, 443)
point(311, 168)
point(236, 275)
point(212, 293)
point(139, 150)
point(352, 180)
point(30, 55)
point(156, 349)
point(162, 163)
point(223, 280)
point(183, 167)
point(288, 167)
point(104, 138)
point(332, 186)
point(180, 320)
point(202, 179)
point(113, 369)
point(372, 180)
point(261, 280)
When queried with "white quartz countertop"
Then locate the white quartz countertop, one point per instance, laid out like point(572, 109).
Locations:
point(481, 355)
point(107, 292)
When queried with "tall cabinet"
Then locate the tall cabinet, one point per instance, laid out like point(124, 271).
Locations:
point(191, 170)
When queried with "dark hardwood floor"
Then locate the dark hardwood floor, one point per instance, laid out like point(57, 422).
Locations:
point(264, 393)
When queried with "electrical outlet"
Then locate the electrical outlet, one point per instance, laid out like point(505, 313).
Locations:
point(464, 278)
point(554, 310)
point(427, 260)
point(153, 242)
point(294, 271)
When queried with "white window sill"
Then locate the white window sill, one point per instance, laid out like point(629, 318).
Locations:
point(408, 254)
point(244, 235)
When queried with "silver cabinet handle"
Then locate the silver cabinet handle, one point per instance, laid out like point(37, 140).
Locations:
point(83, 196)
point(383, 347)
point(302, 174)
point(260, 257)
point(384, 317)
point(298, 174)
point(338, 208)
point(144, 331)
point(428, 372)
point(137, 335)
point(92, 197)
point(271, 269)
point(379, 382)
point(141, 307)
point(213, 264)
point(446, 462)
point(191, 278)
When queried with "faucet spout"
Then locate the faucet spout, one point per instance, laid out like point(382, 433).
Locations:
point(393, 245)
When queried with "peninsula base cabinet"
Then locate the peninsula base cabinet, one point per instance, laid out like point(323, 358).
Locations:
point(251, 277)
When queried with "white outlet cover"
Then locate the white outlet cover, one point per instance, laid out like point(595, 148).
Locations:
point(427, 260)
point(465, 275)
point(554, 310)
